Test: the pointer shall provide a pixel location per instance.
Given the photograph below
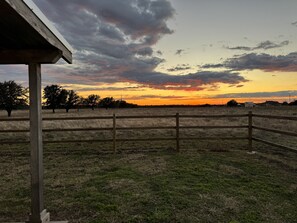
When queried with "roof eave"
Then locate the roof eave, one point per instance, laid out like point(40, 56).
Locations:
point(42, 28)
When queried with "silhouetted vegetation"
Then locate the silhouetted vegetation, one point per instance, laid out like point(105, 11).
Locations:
point(72, 100)
point(55, 96)
point(12, 96)
point(232, 103)
point(293, 103)
point(92, 101)
point(124, 104)
point(107, 102)
point(285, 103)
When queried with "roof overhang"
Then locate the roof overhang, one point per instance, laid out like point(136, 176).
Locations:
point(26, 36)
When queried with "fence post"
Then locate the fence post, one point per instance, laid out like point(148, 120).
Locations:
point(177, 132)
point(250, 115)
point(114, 134)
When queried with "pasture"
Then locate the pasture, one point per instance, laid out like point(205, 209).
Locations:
point(208, 181)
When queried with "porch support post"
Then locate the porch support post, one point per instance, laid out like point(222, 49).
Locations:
point(38, 214)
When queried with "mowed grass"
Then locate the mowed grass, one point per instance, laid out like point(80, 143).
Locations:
point(192, 186)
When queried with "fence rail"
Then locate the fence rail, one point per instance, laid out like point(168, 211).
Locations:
point(177, 127)
point(287, 133)
point(274, 144)
point(276, 117)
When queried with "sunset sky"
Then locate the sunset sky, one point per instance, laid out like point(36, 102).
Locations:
point(174, 51)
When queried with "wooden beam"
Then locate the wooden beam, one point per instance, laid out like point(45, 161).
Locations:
point(291, 118)
point(275, 131)
point(26, 13)
point(274, 144)
point(37, 203)
point(49, 56)
point(250, 131)
point(177, 133)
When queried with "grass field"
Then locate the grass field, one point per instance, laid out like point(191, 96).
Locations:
point(207, 182)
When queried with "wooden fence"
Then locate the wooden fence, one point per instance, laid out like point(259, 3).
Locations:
point(177, 127)
point(287, 133)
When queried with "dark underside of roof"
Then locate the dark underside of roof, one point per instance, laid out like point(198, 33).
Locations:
point(16, 33)
point(25, 38)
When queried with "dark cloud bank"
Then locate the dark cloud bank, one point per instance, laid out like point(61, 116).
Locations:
point(259, 94)
point(114, 40)
point(265, 62)
point(266, 45)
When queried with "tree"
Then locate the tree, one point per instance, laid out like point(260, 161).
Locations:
point(12, 96)
point(72, 100)
point(124, 104)
point(107, 102)
point(81, 102)
point(232, 103)
point(285, 103)
point(93, 100)
point(293, 103)
point(55, 96)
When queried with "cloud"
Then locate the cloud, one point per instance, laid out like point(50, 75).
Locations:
point(181, 67)
point(179, 52)
point(261, 46)
point(142, 97)
point(159, 52)
point(189, 82)
point(106, 88)
point(111, 32)
point(258, 94)
point(113, 42)
point(294, 23)
point(265, 62)
point(134, 18)
point(109, 38)
point(18, 73)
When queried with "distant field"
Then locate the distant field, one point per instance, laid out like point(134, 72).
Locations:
point(209, 181)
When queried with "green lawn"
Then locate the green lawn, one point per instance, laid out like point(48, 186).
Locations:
point(204, 186)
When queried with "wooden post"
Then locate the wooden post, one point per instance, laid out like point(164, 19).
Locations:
point(114, 134)
point(177, 132)
point(38, 214)
point(250, 131)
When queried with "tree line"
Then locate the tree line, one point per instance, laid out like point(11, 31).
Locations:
point(14, 96)
point(234, 103)
point(56, 97)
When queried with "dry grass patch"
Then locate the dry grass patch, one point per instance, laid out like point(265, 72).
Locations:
point(231, 170)
point(144, 163)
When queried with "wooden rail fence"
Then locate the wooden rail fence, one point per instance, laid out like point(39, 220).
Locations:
point(250, 127)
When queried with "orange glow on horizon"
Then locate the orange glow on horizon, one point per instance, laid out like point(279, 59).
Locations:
point(202, 101)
